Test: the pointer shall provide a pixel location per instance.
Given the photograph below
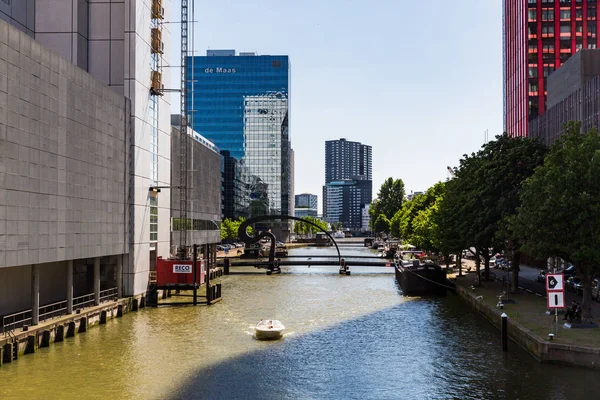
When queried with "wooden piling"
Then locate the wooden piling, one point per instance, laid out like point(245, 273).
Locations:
point(119, 311)
point(59, 335)
point(71, 329)
point(134, 304)
point(82, 325)
point(45, 338)
point(7, 354)
point(103, 317)
point(30, 348)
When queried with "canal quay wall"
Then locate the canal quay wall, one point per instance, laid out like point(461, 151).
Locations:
point(540, 348)
point(17, 344)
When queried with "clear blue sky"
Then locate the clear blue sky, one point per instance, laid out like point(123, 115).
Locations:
point(418, 80)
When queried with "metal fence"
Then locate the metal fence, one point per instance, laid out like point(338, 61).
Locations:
point(87, 300)
point(108, 294)
point(18, 320)
point(13, 321)
point(53, 310)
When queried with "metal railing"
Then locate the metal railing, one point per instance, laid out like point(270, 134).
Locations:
point(87, 300)
point(17, 320)
point(108, 294)
point(53, 310)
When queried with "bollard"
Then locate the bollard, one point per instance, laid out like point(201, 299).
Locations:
point(45, 339)
point(226, 265)
point(504, 332)
point(103, 317)
point(71, 329)
point(59, 335)
point(30, 348)
point(82, 325)
point(120, 311)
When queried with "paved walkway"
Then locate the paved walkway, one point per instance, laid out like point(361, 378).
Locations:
point(530, 311)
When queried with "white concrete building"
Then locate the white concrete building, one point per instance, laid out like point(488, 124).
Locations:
point(92, 133)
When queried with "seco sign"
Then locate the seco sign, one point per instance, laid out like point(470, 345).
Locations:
point(182, 269)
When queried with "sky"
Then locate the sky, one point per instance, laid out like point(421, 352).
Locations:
point(418, 80)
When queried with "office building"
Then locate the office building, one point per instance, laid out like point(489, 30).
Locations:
point(241, 102)
point(348, 182)
point(538, 37)
point(573, 95)
point(306, 205)
point(84, 88)
point(235, 197)
point(204, 189)
point(347, 160)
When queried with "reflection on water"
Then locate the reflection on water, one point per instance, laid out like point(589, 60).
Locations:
point(346, 338)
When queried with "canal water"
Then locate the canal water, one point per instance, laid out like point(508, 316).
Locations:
point(347, 337)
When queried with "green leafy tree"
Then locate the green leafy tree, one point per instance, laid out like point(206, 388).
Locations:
point(382, 224)
point(447, 220)
point(389, 200)
point(230, 228)
point(560, 206)
point(414, 222)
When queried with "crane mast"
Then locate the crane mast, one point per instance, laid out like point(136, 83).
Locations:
point(183, 139)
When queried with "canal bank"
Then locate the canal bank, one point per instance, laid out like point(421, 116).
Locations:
point(30, 339)
point(527, 322)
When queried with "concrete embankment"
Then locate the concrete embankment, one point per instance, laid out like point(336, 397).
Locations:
point(543, 350)
point(20, 342)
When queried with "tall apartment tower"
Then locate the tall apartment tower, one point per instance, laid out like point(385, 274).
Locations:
point(348, 182)
point(241, 102)
point(122, 44)
point(538, 37)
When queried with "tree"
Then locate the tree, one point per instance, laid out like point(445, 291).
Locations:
point(230, 227)
point(302, 228)
point(413, 222)
point(382, 224)
point(560, 206)
point(389, 200)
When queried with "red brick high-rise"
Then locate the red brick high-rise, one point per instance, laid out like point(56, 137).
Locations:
point(540, 35)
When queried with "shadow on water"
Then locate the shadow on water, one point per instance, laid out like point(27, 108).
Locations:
point(421, 349)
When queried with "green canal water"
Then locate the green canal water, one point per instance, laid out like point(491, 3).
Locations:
point(351, 337)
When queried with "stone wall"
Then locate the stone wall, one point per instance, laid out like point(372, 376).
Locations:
point(64, 140)
point(541, 349)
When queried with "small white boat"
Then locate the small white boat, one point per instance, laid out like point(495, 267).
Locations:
point(269, 329)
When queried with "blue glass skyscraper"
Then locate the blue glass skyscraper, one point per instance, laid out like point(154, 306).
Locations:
point(241, 103)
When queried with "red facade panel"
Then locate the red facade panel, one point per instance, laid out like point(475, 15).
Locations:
point(178, 272)
point(540, 35)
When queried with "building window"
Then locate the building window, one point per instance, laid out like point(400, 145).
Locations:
point(565, 14)
point(153, 219)
point(532, 15)
point(547, 14)
point(533, 72)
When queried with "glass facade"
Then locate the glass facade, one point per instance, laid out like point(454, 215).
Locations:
point(539, 36)
point(241, 103)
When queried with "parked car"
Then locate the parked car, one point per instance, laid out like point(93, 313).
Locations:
point(596, 289)
point(541, 276)
point(573, 284)
point(220, 248)
point(569, 271)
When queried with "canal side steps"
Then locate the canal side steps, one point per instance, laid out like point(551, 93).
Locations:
point(15, 343)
